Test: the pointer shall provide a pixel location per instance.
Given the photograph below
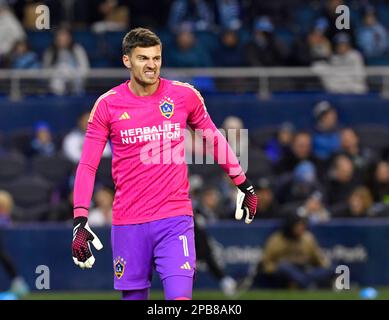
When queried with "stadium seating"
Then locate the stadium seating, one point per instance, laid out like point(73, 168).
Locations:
point(32, 198)
point(55, 169)
point(12, 166)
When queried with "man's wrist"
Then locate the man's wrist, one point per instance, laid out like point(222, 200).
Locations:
point(238, 180)
point(246, 186)
point(80, 212)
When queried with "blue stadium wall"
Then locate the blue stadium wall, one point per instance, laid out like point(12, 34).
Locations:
point(61, 113)
point(360, 244)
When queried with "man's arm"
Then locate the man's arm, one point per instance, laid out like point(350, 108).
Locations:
point(93, 147)
point(200, 121)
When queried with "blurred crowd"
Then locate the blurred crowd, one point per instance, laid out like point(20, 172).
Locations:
point(198, 33)
point(323, 172)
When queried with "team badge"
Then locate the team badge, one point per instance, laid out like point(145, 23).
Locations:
point(119, 265)
point(167, 107)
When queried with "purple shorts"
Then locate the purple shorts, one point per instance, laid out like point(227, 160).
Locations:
point(167, 245)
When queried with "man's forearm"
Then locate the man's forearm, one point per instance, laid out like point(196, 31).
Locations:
point(85, 176)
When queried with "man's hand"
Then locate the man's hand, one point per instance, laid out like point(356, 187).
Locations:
point(82, 235)
point(246, 202)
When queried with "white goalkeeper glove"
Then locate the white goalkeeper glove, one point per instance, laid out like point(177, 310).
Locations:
point(246, 202)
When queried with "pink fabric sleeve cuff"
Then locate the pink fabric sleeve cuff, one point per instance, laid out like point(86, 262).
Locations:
point(80, 212)
point(239, 179)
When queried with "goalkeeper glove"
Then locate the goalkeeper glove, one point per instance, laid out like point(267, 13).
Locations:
point(246, 202)
point(82, 236)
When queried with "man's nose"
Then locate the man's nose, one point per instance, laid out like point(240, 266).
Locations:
point(150, 64)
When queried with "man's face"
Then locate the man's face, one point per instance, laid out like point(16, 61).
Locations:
point(349, 139)
point(342, 48)
point(329, 120)
point(302, 146)
point(299, 228)
point(144, 64)
point(344, 169)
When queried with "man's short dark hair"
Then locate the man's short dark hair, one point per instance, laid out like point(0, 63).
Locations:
point(139, 37)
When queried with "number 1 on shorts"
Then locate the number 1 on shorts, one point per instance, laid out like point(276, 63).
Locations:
point(185, 245)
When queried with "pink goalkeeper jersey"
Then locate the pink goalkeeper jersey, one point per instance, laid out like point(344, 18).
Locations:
point(147, 140)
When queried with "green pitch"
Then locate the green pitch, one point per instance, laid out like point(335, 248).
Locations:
point(383, 293)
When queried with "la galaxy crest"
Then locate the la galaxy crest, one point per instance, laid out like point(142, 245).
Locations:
point(166, 106)
point(119, 266)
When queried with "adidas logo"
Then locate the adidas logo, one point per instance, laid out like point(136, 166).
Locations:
point(124, 116)
point(186, 266)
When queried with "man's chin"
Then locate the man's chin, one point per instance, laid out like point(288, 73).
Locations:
point(150, 81)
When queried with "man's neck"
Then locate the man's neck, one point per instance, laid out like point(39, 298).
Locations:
point(143, 90)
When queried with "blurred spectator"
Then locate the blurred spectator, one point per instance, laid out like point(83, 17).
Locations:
point(29, 13)
point(101, 214)
point(73, 141)
point(326, 136)
point(268, 207)
point(362, 158)
point(69, 61)
point(345, 72)
point(149, 13)
point(359, 204)
point(300, 185)
point(314, 47)
point(380, 182)
point(187, 52)
point(11, 30)
point(6, 208)
point(228, 192)
point(75, 13)
point(18, 285)
point(329, 13)
point(230, 51)
point(63, 211)
point(115, 17)
point(292, 257)
point(342, 181)
point(300, 150)
point(205, 252)
point(314, 209)
point(197, 13)
point(238, 140)
point(319, 46)
point(23, 57)
point(372, 37)
point(210, 205)
point(279, 146)
point(228, 14)
point(264, 48)
point(42, 142)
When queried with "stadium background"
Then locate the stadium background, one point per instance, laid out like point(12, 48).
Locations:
point(259, 66)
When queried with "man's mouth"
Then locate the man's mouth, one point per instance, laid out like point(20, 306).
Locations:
point(150, 74)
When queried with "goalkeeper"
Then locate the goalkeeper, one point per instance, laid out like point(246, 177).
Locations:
point(152, 225)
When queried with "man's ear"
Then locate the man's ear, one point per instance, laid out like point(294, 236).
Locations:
point(126, 61)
